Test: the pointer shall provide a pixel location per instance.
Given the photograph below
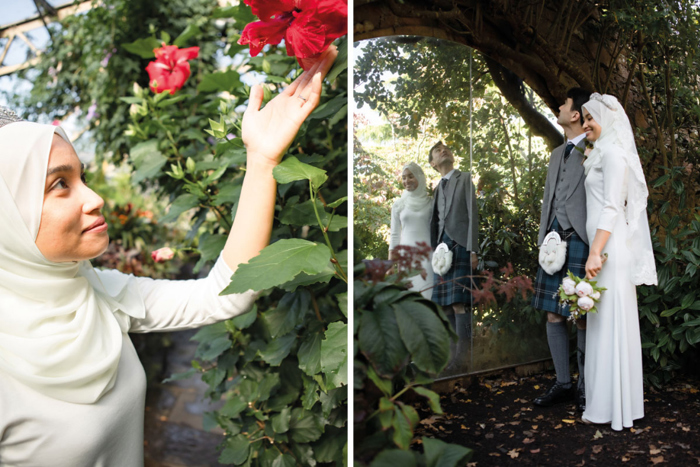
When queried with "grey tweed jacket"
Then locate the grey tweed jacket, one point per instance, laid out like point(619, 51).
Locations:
point(575, 202)
point(462, 219)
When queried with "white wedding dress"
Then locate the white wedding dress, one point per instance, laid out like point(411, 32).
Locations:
point(408, 227)
point(613, 359)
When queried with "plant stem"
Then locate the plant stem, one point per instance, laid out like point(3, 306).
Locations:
point(335, 262)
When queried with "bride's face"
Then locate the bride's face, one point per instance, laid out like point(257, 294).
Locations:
point(590, 127)
point(72, 227)
point(410, 182)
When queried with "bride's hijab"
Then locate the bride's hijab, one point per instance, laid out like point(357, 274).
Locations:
point(617, 140)
point(61, 328)
point(418, 198)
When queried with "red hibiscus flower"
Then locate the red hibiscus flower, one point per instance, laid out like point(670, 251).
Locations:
point(307, 26)
point(171, 68)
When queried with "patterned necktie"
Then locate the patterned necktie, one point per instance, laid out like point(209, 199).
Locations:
point(443, 187)
point(567, 151)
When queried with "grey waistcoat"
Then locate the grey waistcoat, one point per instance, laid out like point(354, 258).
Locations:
point(562, 188)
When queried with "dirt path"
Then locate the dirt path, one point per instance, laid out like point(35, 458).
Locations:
point(494, 417)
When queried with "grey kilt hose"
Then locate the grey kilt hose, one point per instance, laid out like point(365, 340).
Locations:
point(448, 289)
point(546, 295)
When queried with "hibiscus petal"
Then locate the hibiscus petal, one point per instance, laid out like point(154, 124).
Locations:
point(189, 53)
point(306, 37)
point(266, 9)
point(261, 33)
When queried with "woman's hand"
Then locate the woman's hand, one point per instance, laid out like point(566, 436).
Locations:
point(268, 132)
point(593, 265)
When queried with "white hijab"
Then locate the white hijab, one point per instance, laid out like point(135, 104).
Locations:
point(60, 327)
point(418, 198)
point(617, 140)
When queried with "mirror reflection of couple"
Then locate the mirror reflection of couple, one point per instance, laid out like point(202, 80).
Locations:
point(596, 199)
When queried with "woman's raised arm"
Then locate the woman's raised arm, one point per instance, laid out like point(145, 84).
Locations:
point(267, 133)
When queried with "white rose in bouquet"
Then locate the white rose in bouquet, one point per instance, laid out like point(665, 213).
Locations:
point(442, 259)
point(585, 303)
point(569, 286)
point(584, 289)
point(595, 295)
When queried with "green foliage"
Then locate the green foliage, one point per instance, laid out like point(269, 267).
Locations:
point(281, 368)
point(401, 342)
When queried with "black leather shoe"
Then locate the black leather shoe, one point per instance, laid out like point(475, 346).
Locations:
point(556, 394)
point(581, 399)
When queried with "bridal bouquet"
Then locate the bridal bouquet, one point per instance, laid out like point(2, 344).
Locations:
point(580, 294)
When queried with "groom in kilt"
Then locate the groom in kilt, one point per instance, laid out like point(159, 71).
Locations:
point(564, 210)
point(455, 222)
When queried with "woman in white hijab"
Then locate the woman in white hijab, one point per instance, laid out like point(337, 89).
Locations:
point(616, 201)
point(72, 390)
point(410, 223)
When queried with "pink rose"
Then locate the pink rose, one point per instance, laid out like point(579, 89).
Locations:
point(569, 286)
point(162, 255)
point(584, 289)
point(585, 303)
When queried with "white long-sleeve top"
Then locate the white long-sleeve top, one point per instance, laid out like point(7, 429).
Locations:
point(39, 431)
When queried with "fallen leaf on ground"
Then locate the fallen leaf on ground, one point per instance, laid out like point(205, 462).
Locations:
point(498, 425)
point(558, 426)
point(534, 427)
point(597, 435)
point(566, 420)
point(579, 452)
point(597, 449)
point(488, 435)
point(535, 451)
point(653, 450)
point(625, 459)
point(657, 460)
point(537, 386)
point(513, 453)
point(495, 454)
point(528, 440)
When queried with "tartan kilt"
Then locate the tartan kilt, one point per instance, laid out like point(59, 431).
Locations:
point(546, 295)
point(446, 290)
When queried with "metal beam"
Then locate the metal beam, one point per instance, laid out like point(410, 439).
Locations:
point(17, 30)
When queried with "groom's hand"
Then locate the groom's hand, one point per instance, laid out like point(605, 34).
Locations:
point(475, 260)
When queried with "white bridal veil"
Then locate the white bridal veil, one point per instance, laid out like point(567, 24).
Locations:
point(418, 198)
point(617, 140)
point(60, 327)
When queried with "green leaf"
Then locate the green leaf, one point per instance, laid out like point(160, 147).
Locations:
point(190, 31)
point(341, 61)
point(236, 451)
point(330, 447)
point(394, 458)
point(147, 160)
point(433, 398)
point(309, 354)
point(424, 335)
point(304, 279)
point(290, 312)
point(180, 376)
point(246, 319)
point(386, 412)
point(402, 429)
point(280, 422)
point(441, 454)
point(173, 100)
point(143, 47)
point(380, 340)
point(284, 460)
point(337, 202)
point(334, 348)
point(233, 407)
point(218, 82)
point(305, 426)
point(291, 170)
point(279, 263)
point(343, 302)
point(182, 203)
point(209, 350)
point(211, 245)
point(278, 349)
point(330, 107)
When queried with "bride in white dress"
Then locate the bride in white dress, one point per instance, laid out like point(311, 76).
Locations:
point(410, 222)
point(616, 200)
